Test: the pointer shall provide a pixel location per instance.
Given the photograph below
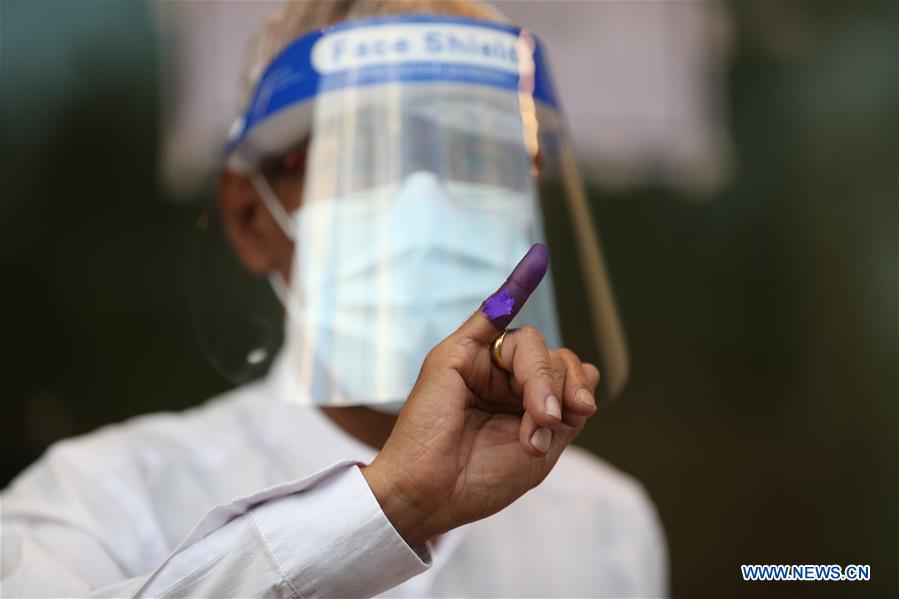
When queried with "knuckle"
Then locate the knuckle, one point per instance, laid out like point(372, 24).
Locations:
point(545, 370)
point(435, 357)
point(532, 335)
point(567, 355)
point(558, 362)
point(560, 367)
point(573, 365)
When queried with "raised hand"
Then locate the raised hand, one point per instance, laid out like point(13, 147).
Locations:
point(473, 437)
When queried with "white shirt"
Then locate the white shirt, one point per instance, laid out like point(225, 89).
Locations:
point(250, 496)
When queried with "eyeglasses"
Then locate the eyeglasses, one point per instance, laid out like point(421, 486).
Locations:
point(292, 163)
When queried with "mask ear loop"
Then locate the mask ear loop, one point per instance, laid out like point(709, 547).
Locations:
point(276, 280)
point(272, 203)
point(288, 299)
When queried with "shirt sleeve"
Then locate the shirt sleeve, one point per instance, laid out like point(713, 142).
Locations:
point(323, 535)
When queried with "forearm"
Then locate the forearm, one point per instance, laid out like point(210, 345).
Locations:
point(324, 535)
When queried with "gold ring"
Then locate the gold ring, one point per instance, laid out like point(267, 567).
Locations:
point(496, 351)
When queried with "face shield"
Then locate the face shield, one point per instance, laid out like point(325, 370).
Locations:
point(413, 160)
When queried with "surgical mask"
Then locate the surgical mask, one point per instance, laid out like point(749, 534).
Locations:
point(381, 277)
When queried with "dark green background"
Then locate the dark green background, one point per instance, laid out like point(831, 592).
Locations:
point(762, 410)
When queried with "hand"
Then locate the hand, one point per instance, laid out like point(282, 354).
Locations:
point(473, 438)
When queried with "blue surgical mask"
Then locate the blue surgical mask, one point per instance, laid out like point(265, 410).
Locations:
point(381, 277)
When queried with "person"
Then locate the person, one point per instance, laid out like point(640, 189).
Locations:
point(355, 468)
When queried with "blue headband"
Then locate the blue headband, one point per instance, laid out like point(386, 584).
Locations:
point(414, 48)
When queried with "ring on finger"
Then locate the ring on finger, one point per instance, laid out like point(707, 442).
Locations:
point(496, 350)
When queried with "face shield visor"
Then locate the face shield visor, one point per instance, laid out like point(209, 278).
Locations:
point(413, 160)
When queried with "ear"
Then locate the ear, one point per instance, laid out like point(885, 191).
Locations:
point(255, 236)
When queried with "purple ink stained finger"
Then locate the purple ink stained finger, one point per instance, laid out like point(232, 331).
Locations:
point(501, 307)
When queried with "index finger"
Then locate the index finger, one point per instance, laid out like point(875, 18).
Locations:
point(500, 308)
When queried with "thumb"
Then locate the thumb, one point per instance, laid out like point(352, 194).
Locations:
point(499, 309)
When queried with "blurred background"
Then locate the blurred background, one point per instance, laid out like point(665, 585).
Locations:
point(741, 160)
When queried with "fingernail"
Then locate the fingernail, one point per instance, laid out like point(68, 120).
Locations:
point(552, 406)
point(585, 398)
point(541, 439)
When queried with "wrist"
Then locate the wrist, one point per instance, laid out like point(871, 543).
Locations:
point(406, 516)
